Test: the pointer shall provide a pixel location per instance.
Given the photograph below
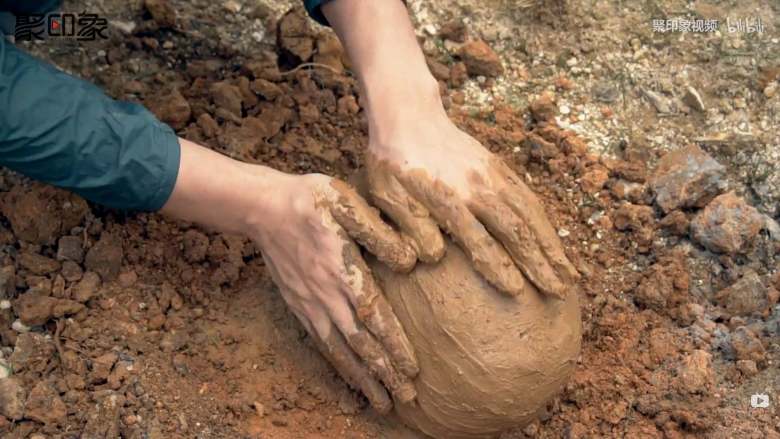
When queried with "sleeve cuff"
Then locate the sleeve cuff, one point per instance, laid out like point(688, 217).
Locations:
point(170, 142)
point(314, 8)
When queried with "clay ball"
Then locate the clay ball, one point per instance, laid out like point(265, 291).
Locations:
point(488, 362)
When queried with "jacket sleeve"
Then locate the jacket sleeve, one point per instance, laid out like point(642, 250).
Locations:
point(68, 133)
point(313, 8)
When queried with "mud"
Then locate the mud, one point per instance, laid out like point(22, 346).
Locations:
point(488, 362)
point(192, 339)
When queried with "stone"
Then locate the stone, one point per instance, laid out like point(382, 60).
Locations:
point(676, 222)
point(38, 264)
point(227, 96)
point(695, 372)
point(594, 179)
point(71, 271)
point(543, 109)
point(87, 287)
point(34, 309)
point(687, 177)
point(162, 12)
point(746, 296)
point(105, 257)
point(747, 345)
point(727, 224)
point(101, 367)
point(632, 216)
point(39, 213)
point(196, 245)
point(458, 74)
point(31, 352)
point(44, 405)
point(266, 89)
point(693, 99)
point(748, 368)
point(660, 103)
point(103, 418)
point(330, 52)
point(70, 248)
point(7, 281)
point(480, 59)
point(172, 108)
point(12, 398)
point(295, 37)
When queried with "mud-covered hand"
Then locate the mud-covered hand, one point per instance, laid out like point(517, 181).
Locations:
point(425, 173)
point(307, 228)
point(430, 174)
point(310, 252)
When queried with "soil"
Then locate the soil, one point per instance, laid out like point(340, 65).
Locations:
point(134, 325)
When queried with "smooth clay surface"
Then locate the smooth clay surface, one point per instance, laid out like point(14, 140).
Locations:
point(488, 361)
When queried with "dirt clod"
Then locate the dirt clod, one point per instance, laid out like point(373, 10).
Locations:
point(172, 108)
point(34, 309)
point(687, 177)
point(727, 224)
point(480, 59)
point(12, 398)
point(105, 257)
point(45, 405)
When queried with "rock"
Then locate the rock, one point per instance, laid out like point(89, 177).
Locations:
point(7, 281)
point(454, 30)
point(172, 108)
point(266, 89)
point(105, 257)
point(39, 213)
point(746, 296)
point(295, 37)
point(665, 285)
point(543, 109)
point(70, 248)
point(347, 105)
point(34, 309)
point(38, 264)
point(12, 398)
point(44, 405)
point(692, 98)
point(458, 74)
point(227, 96)
point(71, 271)
point(87, 287)
point(480, 59)
point(746, 345)
point(727, 224)
point(101, 367)
point(747, 367)
point(162, 12)
point(632, 217)
point(695, 373)
point(439, 70)
point(208, 125)
point(196, 244)
point(103, 418)
point(687, 177)
point(594, 179)
point(660, 102)
point(330, 52)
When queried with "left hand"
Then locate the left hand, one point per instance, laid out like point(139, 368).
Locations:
point(428, 174)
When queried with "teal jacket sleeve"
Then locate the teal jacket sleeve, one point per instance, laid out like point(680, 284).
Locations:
point(313, 8)
point(68, 133)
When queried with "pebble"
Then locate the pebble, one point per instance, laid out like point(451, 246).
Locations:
point(687, 177)
point(727, 224)
point(232, 6)
point(693, 99)
point(563, 233)
point(5, 304)
point(18, 326)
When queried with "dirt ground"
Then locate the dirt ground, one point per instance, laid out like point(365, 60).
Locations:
point(142, 327)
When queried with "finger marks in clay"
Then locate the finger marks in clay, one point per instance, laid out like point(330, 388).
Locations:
point(362, 222)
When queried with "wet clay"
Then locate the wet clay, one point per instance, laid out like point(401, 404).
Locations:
point(488, 361)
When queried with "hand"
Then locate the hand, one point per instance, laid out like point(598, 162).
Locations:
point(426, 174)
point(308, 246)
point(305, 227)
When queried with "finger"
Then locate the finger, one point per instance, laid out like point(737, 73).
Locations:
point(412, 218)
point(354, 372)
point(519, 241)
point(487, 255)
point(527, 206)
point(375, 312)
point(362, 223)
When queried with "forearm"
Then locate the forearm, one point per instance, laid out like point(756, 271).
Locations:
point(395, 81)
point(216, 191)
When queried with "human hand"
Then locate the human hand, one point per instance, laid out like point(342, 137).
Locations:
point(306, 236)
point(426, 173)
point(307, 228)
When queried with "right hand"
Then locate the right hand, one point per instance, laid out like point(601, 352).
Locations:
point(305, 228)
